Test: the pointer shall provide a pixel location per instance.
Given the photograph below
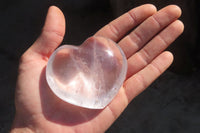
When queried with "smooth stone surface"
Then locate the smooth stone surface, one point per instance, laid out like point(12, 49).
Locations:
point(89, 75)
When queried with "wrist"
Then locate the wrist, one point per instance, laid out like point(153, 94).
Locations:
point(20, 126)
point(21, 130)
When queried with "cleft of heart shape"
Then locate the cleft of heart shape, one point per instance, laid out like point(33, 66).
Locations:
point(89, 75)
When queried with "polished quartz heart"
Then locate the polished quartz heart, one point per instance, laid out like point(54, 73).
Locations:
point(89, 75)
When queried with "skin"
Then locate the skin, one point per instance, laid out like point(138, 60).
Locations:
point(39, 110)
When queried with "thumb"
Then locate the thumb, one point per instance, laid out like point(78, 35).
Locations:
point(52, 33)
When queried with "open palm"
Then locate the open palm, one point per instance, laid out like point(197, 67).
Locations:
point(39, 110)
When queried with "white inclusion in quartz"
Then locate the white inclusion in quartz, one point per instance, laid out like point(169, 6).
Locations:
point(88, 76)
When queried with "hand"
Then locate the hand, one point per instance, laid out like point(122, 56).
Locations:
point(39, 110)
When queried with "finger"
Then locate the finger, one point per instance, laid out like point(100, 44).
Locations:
point(120, 26)
point(149, 28)
point(141, 80)
point(159, 43)
point(138, 83)
point(52, 33)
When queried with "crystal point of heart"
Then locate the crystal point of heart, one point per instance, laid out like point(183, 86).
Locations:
point(89, 75)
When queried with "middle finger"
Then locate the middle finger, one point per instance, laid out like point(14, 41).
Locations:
point(148, 29)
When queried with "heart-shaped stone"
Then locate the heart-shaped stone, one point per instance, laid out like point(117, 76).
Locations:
point(89, 75)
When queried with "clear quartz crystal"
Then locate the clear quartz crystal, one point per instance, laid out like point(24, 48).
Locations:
point(89, 75)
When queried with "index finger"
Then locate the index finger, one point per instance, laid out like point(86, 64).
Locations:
point(118, 28)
